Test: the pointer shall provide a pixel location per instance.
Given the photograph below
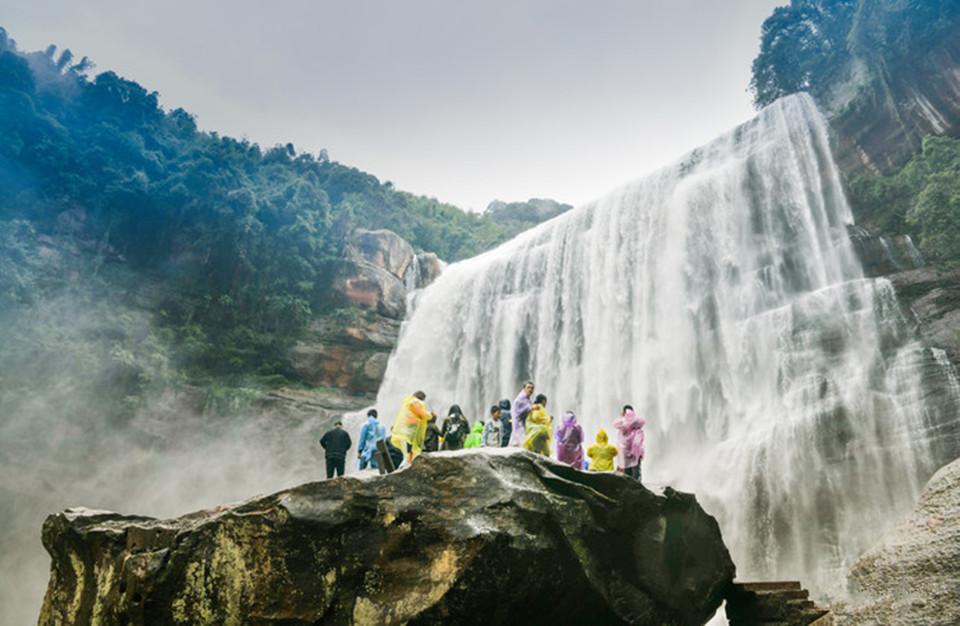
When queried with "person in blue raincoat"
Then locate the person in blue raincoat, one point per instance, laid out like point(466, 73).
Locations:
point(370, 434)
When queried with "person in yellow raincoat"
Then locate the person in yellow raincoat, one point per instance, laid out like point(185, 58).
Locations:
point(538, 429)
point(601, 454)
point(410, 425)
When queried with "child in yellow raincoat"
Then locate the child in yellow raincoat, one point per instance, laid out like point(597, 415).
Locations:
point(410, 426)
point(539, 427)
point(601, 454)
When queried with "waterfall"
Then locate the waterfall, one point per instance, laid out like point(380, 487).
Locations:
point(722, 298)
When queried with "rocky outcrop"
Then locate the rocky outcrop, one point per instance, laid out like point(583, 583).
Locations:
point(427, 268)
point(932, 296)
point(476, 537)
point(378, 270)
point(913, 576)
point(348, 347)
point(884, 255)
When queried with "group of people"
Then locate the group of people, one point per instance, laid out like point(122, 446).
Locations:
point(523, 423)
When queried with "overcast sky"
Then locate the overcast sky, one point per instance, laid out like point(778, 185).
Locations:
point(463, 101)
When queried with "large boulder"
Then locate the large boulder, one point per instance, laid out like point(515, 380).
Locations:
point(374, 273)
point(913, 576)
point(475, 537)
point(383, 248)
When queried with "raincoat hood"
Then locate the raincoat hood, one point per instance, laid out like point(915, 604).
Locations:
point(477, 427)
point(602, 437)
point(455, 410)
point(569, 419)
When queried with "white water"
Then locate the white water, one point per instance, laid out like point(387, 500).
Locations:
point(722, 298)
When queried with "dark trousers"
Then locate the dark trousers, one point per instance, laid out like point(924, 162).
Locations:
point(633, 472)
point(335, 464)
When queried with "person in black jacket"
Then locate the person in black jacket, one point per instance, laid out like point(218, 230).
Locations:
point(455, 429)
point(431, 441)
point(336, 442)
point(506, 423)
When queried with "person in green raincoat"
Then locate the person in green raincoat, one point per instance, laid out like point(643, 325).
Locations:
point(475, 438)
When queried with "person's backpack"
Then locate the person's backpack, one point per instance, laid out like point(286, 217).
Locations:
point(455, 430)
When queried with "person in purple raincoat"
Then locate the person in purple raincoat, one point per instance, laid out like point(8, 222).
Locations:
point(519, 412)
point(570, 441)
point(630, 429)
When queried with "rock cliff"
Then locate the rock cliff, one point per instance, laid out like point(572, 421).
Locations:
point(475, 537)
point(348, 347)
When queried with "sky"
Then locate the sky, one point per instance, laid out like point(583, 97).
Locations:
point(463, 101)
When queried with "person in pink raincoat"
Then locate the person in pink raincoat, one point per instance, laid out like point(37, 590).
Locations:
point(630, 429)
point(570, 441)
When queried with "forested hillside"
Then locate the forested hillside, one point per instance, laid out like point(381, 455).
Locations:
point(238, 243)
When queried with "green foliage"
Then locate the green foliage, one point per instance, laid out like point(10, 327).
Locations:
point(241, 238)
point(803, 46)
point(800, 46)
point(923, 197)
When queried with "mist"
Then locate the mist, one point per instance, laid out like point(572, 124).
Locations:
point(87, 418)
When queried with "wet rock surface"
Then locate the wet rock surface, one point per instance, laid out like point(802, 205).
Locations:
point(913, 576)
point(932, 296)
point(474, 537)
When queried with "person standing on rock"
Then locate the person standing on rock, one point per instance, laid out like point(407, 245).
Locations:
point(475, 438)
point(336, 442)
point(539, 427)
point(493, 429)
point(505, 424)
point(431, 439)
point(521, 408)
point(455, 429)
point(630, 429)
point(410, 425)
point(372, 432)
point(570, 441)
point(601, 454)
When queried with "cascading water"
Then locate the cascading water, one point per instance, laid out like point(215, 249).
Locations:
point(722, 298)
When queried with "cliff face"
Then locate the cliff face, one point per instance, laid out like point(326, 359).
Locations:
point(348, 348)
point(880, 112)
point(467, 538)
